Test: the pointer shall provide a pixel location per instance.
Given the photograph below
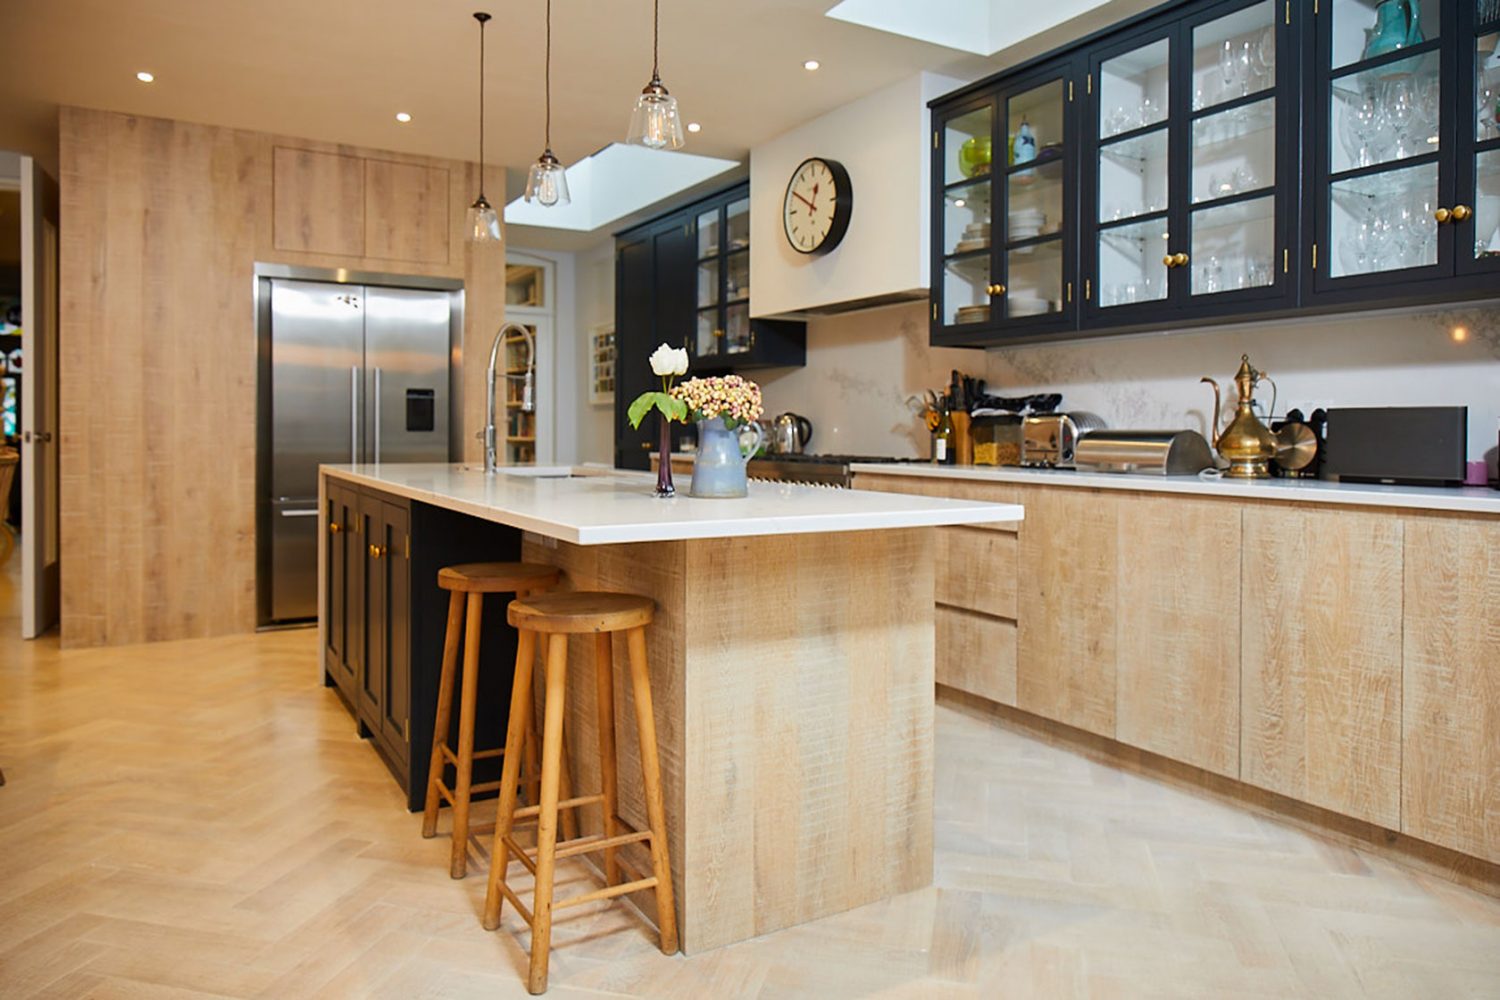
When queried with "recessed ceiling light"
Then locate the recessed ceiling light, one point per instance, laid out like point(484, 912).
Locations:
point(810, 65)
point(403, 117)
point(694, 127)
point(145, 77)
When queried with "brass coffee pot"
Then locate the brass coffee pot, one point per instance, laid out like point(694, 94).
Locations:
point(1246, 444)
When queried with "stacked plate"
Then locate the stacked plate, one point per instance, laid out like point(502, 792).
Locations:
point(1025, 224)
point(971, 314)
point(1027, 305)
point(976, 237)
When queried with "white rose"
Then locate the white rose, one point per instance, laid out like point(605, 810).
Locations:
point(666, 361)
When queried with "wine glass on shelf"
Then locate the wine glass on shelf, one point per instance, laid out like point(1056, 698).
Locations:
point(1265, 56)
point(1246, 60)
point(1229, 67)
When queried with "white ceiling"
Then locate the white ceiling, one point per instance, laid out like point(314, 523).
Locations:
point(339, 70)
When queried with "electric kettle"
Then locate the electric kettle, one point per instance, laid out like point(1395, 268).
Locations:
point(790, 433)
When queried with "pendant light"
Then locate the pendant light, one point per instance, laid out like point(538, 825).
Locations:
point(548, 182)
point(483, 222)
point(654, 123)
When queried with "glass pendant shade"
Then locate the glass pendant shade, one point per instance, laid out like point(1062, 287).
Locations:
point(547, 182)
point(483, 223)
point(654, 123)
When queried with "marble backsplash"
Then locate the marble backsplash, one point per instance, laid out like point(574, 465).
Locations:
point(863, 368)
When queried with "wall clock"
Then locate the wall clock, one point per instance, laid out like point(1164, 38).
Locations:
point(819, 200)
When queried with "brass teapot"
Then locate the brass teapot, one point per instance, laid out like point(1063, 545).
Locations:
point(1246, 444)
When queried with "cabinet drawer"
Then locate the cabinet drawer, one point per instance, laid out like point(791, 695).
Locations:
point(976, 569)
point(976, 653)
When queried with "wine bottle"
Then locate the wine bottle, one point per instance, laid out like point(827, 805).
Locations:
point(942, 440)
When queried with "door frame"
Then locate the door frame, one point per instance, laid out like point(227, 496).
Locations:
point(41, 560)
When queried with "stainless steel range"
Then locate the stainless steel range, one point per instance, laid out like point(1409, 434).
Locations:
point(816, 470)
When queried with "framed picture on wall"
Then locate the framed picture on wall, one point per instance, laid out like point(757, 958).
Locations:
point(602, 365)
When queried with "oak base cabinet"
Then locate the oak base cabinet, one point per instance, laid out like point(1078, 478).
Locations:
point(1321, 670)
point(1177, 670)
point(1066, 665)
point(1450, 766)
point(976, 653)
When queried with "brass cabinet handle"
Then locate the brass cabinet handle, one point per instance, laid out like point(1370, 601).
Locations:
point(1175, 260)
point(334, 527)
point(1442, 215)
point(377, 551)
point(1461, 212)
point(1167, 261)
point(996, 289)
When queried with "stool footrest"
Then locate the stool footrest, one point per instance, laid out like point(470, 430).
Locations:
point(515, 901)
point(520, 855)
point(582, 800)
point(608, 892)
point(587, 845)
point(452, 758)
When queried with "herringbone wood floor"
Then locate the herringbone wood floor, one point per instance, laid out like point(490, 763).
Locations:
point(197, 819)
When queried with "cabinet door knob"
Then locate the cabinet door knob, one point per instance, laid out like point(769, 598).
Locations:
point(1175, 260)
point(1461, 212)
point(377, 551)
point(997, 289)
point(1442, 215)
point(1167, 261)
point(334, 527)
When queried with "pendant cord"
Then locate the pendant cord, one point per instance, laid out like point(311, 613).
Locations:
point(481, 105)
point(655, 39)
point(547, 137)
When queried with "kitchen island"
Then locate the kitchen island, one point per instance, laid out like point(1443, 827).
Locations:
point(791, 663)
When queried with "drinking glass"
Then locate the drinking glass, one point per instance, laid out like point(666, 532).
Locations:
point(1229, 66)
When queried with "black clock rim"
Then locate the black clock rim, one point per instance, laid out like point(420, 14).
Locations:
point(843, 206)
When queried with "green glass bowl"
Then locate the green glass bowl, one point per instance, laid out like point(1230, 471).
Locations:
point(974, 156)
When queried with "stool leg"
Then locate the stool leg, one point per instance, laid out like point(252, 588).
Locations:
point(510, 772)
point(468, 696)
point(444, 711)
point(546, 834)
point(656, 813)
point(533, 766)
point(604, 698)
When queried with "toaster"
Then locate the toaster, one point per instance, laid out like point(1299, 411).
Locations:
point(1048, 439)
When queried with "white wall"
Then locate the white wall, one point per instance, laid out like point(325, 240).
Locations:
point(595, 299)
point(1356, 360)
point(883, 141)
point(863, 367)
point(861, 370)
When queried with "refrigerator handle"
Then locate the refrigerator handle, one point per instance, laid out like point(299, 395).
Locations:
point(354, 414)
point(377, 416)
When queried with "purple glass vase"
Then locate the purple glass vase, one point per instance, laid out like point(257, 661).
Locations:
point(664, 487)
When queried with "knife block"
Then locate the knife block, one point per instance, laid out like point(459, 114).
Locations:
point(963, 443)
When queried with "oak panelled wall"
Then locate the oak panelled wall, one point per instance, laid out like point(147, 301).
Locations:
point(162, 224)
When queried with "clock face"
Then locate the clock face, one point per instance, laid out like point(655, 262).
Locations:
point(817, 207)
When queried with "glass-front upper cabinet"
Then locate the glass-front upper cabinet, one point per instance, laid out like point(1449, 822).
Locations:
point(1005, 254)
point(723, 286)
point(1381, 154)
point(1189, 204)
point(1479, 166)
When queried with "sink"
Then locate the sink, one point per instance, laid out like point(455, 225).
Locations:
point(528, 471)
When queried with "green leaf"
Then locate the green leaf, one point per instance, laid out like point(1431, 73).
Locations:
point(669, 406)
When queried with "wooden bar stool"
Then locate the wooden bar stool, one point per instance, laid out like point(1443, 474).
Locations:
point(556, 616)
point(467, 584)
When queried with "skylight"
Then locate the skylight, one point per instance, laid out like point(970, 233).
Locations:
point(982, 27)
point(614, 182)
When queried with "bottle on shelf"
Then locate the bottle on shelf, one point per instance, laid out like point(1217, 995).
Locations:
point(943, 451)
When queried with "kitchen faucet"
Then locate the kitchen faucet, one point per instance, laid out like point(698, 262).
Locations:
point(528, 388)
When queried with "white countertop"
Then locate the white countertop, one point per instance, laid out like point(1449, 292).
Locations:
point(593, 506)
point(1468, 499)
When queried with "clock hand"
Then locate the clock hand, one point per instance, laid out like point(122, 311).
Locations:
point(805, 201)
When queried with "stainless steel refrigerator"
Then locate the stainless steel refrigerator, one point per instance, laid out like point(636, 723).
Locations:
point(349, 373)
